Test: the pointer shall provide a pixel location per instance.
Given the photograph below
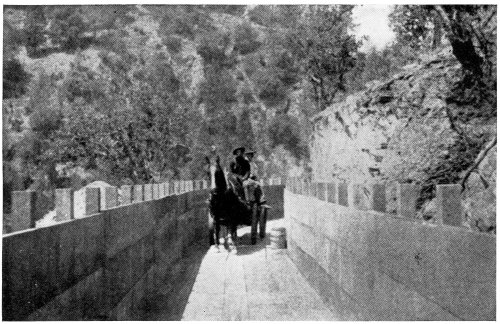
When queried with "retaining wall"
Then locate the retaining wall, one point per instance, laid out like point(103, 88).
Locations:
point(369, 265)
point(106, 265)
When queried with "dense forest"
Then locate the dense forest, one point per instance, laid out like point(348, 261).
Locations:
point(147, 91)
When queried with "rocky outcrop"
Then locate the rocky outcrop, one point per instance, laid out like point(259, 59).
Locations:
point(398, 130)
point(360, 137)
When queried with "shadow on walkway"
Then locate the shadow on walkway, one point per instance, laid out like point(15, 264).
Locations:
point(245, 247)
point(171, 300)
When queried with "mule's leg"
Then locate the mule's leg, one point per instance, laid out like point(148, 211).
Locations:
point(217, 234)
point(234, 235)
point(211, 231)
point(226, 234)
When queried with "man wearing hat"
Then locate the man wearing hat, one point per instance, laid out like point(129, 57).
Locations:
point(253, 190)
point(240, 166)
point(240, 171)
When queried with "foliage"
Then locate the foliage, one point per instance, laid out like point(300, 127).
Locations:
point(13, 39)
point(69, 28)
point(45, 117)
point(285, 130)
point(272, 90)
point(416, 26)
point(218, 90)
point(82, 82)
point(325, 49)
point(244, 129)
point(173, 43)
point(15, 79)
point(379, 65)
point(235, 10)
point(183, 20)
point(213, 48)
point(246, 39)
point(34, 29)
point(285, 16)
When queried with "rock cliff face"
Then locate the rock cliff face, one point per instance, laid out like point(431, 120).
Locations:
point(360, 138)
point(398, 130)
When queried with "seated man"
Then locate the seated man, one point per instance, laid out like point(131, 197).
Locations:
point(253, 190)
point(240, 171)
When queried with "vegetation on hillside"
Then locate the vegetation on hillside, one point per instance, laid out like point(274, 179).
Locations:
point(170, 82)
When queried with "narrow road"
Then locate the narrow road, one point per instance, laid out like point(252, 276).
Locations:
point(249, 283)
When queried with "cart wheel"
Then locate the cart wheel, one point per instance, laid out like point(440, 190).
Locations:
point(262, 222)
point(255, 220)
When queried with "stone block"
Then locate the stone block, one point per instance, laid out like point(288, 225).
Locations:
point(306, 188)
point(449, 205)
point(83, 301)
point(87, 202)
point(331, 188)
point(343, 195)
point(156, 191)
point(129, 224)
point(297, 186)
point(64, 204)
point(138, 195)
point(163, 190)
point(313, 189)
point(109, 198)
point(126, 195)
point(407, 195)
point(377, 198)
point(356, 195)
point(148, 191)
point(81, 247)
point(321, 191)
point(24, 212)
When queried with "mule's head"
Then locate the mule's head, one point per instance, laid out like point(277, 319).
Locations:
point(217, 178)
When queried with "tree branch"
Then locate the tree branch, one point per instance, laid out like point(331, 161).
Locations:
point(480, 157)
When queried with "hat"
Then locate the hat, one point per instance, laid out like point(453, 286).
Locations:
point(238, 149)
point(250, 152)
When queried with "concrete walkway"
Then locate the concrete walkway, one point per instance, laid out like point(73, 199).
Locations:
point(253, 282)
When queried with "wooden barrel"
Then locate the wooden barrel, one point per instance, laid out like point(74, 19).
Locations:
point(278, 238)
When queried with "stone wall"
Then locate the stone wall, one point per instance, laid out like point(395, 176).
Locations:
point(108, 263)
point(375, 131)
point(369, 265)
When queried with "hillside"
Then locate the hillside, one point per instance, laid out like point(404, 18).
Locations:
point(141, 93)
point(398, 130)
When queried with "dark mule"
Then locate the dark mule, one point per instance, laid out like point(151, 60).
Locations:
point(226, 209)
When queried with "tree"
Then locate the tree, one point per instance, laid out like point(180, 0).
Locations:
point(280, 16)
point(325, 49)
point(416, 26)
point(285, 130)
point(34, 29)
point(69, 28)
point(246, 39)
point(235, 10)
point(44, 109)
point(470, 29)
point(245, 131)
point(185, 21)
point(82, 82)
point(471, 102)
point(15, 79)
point(214, 48)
